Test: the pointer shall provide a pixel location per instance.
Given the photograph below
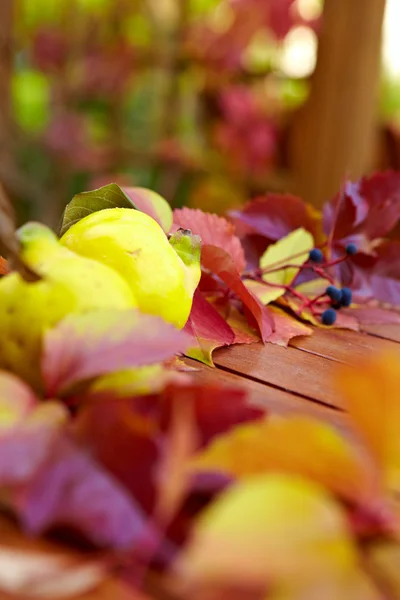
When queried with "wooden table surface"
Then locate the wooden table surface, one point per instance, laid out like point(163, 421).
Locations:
point(284, 380)
point(298, 378)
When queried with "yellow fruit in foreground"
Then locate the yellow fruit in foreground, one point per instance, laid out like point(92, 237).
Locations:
point(134, 244)
point(273, 530)
point(94, 285)
point(70, 284)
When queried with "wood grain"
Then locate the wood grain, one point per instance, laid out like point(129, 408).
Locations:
point(342, 345)
point(289, 369)
point(273, 399)
point(386, 331)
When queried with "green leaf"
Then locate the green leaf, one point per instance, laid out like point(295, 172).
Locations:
point(85, 203)
point(291, 250)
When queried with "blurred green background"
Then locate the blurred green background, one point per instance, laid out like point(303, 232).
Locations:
point(193, 98)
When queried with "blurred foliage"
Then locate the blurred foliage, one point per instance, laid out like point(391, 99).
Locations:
point(193, 98)
point(186, 96)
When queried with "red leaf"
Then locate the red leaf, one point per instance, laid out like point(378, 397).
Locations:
point(213, 230)
point(125, 442)
point(219, 262)
point(208, 328)
point(71, 489)
point(129, 437)
point(274, 216)
point(217, 408)
point(369, 207)
point(84, 346)
point(3, 266)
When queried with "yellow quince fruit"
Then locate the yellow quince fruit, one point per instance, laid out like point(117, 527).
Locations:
point(70, 283)
point(162, 273)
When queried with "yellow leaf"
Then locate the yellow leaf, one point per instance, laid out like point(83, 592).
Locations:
point(313, 288)
point(264, 292)
point(299, 445)
point(272, 530)
point(293, 249)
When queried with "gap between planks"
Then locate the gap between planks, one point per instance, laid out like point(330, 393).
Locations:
point(274, 399)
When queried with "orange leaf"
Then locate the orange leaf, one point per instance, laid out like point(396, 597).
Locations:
point(299, 445)
point(371, 395)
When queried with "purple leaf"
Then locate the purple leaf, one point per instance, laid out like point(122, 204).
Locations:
point(85, 346)
point(72, 490)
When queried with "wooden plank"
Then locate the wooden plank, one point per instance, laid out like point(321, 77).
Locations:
point(342, 345)
point(277, 401)
point(335, 132)
point(289, 369)
point(386, 331)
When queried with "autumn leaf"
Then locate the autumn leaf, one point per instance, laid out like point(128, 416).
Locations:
point(217, 408)
point(296, 445)
point(378, 277)
point(219, 262)
point(274, 216)
point(369, 208)
point(244, 334)
point(213, 230)
point(85, 203)
point(174, 481)
point(152, 204)
point(81, 347)
point(125, 442)
point(371, 397)
point(286, 328)
point(72, 490)
point(130, 437)
point(208, 329)
point(294, 534)
point(294, 249)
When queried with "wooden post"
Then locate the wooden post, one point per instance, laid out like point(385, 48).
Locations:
point(334, 135)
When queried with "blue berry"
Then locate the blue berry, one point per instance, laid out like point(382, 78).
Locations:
point(347, 296)
point(334, 293)
point(351, 249)
point(316, 255)
point(328, 317)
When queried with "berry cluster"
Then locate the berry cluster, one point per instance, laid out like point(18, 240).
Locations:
point(320, 266)
point(339, 297)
